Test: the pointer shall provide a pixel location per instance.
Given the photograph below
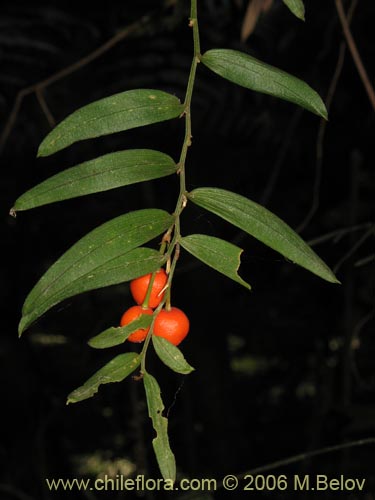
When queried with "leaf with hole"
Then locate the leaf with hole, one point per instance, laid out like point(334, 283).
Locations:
point(117, 335)
point(296, 7)
point(216, 253)
point(263, 225)
point(108, 255)
point(115, 371)
point(119, 112)
point(110, 171)
point(171, 355)
point(246, 71)
point(162, 449)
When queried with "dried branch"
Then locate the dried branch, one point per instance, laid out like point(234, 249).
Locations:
point(307, 455)
point(337, 234)
point(354, 248)
point(43, 104)
point(40, 86)
point(323, 125)
point(355, 54)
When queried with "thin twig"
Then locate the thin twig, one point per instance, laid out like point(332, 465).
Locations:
point(322, 128)
point(337, 234)
point(354, 52)
point(306, 456)
point(354, 248)
point(43, 84)
point(365, 260)
point(43, 104)
point(299, 458)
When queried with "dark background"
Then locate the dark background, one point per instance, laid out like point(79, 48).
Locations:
point(284, 369)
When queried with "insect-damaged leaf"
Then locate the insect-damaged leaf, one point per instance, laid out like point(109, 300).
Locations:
point(216, 253)
point(263, 225)
point(162, 449)
point(115, 371)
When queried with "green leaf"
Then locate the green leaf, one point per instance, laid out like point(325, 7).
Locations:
point(171, 355)
point(296, 7)
point(162, 449)
point(108, 255)
point(253, 74)
point(115, 371)
point(101, 174)
point(117, 335)
point(123, 111)
point(263, 225)
point(216, 253)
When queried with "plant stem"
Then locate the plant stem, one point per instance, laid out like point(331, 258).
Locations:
point(174, 246)
point(182, 199)
point(149, 289)
point(194, 24)
point(181, 202)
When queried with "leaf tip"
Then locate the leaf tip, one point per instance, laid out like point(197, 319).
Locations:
point(23, 324)
point(324, 114)
point(43, 149)
point(335, 281)
point(91, 342)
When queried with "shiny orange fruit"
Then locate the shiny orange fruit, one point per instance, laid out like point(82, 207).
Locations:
point(172, 325)
point(130, 315)
point(138, 288)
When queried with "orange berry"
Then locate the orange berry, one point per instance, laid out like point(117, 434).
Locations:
point(172, 325)
point(138, 288)
point(130, 315)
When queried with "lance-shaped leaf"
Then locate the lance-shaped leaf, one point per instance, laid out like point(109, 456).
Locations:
point(171, 355)
point(117, 335)
point(106, 256)
point(101, 174)
point(253, 74)
point(296, 7)
point(115, 371)
point(162, 449)
point(216, 253)
point(123, 111)
point(126, 267)
point(263, 225)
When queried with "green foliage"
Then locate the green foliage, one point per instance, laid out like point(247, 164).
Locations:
point(253, 74)
point(296, 7)
point(107, 172)
point(106, 256)
point(113, 252)
point(216, 253)
point(163, 452)
point(263, 225)
point(119, 112)
point(115, 336)
point(171, 356)
point(115, 371)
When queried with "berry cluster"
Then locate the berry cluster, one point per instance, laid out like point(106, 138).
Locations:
point(171, 324)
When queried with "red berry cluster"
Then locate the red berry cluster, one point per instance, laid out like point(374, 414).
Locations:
point(171, 324)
